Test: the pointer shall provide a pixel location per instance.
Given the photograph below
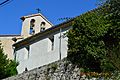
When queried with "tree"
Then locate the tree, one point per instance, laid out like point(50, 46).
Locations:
point(94, 41)
point(7, 66)
point(112, 38)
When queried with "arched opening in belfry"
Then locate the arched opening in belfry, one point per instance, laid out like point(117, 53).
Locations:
point(32, 25)
point(42, 25)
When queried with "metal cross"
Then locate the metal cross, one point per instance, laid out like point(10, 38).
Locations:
point(38, 10)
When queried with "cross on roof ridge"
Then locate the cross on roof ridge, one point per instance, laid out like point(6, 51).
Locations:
point(38, 10)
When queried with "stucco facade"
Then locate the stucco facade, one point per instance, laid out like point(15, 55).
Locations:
point(6, 43)
point(35, 21)
point(42, 50)
point(40, 22)
point(40, 42)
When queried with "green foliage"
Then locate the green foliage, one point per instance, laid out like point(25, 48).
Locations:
point(65, 19)
point(112, 38)
point(94, 36)
point(54, 66)
point(7, 67)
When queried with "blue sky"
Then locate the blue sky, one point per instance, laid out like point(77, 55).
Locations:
point(10, 14)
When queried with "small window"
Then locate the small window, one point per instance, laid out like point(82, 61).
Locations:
point(42, 25)
point(26, 69)
point(32, 31)
point(14, 53)
point(52, 41)
point(42, 29)
point(32, 24)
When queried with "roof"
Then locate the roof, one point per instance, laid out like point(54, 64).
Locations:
point(33, 15)
point(9, 35)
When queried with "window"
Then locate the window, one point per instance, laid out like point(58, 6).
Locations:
point(42, 25)
point(14, 49)
point(42, 29)
point(32, 24)
point(52, 41)
point(32, 31)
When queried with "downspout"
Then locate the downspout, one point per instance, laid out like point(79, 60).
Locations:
point(60, 45)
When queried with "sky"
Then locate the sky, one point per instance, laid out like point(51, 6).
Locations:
point(10, 14)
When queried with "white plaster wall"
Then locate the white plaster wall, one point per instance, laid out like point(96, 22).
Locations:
point(22, 58)
point(25, 28)
point(41, 54)
point(63, 44)
point(7, 43)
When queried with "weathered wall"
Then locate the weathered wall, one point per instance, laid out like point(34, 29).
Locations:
point(40, 52)
point(38, 19)
point(63, 70)
point(60, 70)
point(7, 43)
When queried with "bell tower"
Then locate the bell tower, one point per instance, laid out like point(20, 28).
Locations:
point(33, 24)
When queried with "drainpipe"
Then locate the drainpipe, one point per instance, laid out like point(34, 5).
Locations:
point(60, 44)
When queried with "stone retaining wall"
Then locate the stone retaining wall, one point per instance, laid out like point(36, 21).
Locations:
point(60, 70)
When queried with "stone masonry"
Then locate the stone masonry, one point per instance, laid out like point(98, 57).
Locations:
point(59, 70)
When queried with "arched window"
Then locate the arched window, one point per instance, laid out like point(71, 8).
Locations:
point(32, 24)
point(42, 26)
point(42, 23)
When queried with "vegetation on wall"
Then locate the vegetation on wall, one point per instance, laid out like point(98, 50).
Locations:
point(94, 41)
point(7, 67)
point(112, 38)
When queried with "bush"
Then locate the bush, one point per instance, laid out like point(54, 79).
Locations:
point(7, 67)
point(94, 41)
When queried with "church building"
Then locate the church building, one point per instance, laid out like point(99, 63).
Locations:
point(40, 42)
point(31, 25)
